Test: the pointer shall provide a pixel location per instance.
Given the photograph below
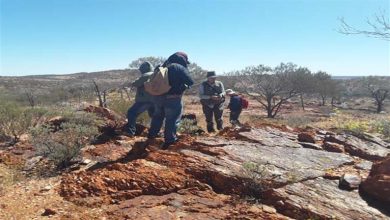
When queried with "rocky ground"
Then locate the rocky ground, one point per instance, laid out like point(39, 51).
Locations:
point(267, 172)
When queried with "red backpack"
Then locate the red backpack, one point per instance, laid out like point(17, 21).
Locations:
point(244, 102)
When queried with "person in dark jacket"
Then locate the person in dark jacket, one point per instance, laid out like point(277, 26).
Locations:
point(212, 98)
point(170, 106)
point(235, 106)
point(143, 101)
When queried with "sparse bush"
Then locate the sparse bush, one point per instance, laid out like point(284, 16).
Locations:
point(144, 119)
point(298, 121)
point(16, 120)
point(382, 127)
point(257, 175)
point(188, 126)
point(64, 145)
point(120, 106)
point(357, 127)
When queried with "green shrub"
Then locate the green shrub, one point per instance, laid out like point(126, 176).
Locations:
point(298, 121)
point(257, 174)
point(188, 126)
point(357, 127)
point(64, 145)
point(16, 120)
point(382, 127)
point(144, 119)
point(120, 106)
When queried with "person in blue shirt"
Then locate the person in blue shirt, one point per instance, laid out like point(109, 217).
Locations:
point(169, 107)
point(235, 106)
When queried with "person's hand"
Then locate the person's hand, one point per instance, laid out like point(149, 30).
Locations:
point(215, 98)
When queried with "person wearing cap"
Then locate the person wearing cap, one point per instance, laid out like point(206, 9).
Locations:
point(143, 101)
point(169, 106)
point(212, 98)
point(235, 106)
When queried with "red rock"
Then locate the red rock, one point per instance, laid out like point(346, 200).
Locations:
point(377, 184)
point(49, 212)
point(333, 147)
point(306, 137)
point(103, 112)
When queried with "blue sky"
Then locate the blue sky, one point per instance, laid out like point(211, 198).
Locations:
point(68, 36)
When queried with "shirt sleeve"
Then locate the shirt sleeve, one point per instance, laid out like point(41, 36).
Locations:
point(223, 90)
point(186, 77)
point(201, 92)
point(140, 81)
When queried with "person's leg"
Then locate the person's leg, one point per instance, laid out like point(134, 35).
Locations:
point(150, 109)
point(132, 115)
point(238, 115)
point(158, 117)
point(208, 112)
point(218, 112)
point(233, 117)
point(173, 109)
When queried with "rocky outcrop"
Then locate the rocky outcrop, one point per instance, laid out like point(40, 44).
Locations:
point(377, 184)
point(357, 147)
point(213, 177)
point(321, 199)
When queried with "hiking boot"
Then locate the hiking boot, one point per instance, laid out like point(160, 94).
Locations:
point(127, 134)
point(210, 130)
point(219, 126)
point(166, 145)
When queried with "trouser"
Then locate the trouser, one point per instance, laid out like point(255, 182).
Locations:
point(134, 111)
point(170, 109)
point(234, 115)
point(209, 112)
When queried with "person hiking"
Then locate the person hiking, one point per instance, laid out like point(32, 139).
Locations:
point(212, 98)
point(169, 106)
point(235, 106)
point(143, 101)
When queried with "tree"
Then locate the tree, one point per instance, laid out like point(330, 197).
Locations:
point(379, 89)
point(324, 86)
point(303, 82)
point(100, 94)
point(30, 97)
point(270, 87)
point(379, 27)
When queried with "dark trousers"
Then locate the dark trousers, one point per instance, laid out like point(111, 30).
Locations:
point(215, 111)
point(234, 115)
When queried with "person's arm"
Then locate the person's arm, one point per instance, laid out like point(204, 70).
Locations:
point(201, 92)
point(140, 81)
point(223, 91)
point(186, 77)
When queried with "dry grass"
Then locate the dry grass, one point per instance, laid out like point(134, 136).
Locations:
point(8, 177)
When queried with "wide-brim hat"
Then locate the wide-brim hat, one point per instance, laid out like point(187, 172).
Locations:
point(211, 74)
point(230, 92)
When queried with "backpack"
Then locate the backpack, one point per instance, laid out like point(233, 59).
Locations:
point(158, 83)
point(244, 103)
